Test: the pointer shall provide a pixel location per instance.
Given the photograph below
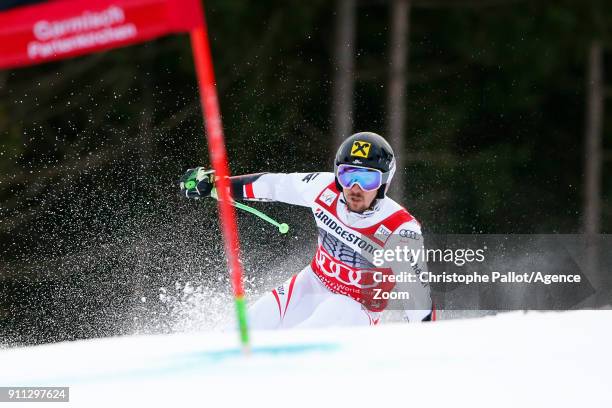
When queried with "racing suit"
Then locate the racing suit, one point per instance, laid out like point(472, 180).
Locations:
point(342, 285)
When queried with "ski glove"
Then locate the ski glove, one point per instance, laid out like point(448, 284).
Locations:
point(197, 183)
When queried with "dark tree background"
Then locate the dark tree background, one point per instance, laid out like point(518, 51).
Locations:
point(91, 147)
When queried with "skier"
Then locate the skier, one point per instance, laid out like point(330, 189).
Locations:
point(345, 283)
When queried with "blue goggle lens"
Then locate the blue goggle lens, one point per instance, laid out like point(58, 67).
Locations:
point(368, 179)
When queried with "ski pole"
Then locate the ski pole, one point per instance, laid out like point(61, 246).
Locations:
point(282, 227)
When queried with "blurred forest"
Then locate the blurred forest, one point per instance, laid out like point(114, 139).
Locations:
point(494, 140)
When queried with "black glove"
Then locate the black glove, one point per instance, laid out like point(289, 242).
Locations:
point(197, 183)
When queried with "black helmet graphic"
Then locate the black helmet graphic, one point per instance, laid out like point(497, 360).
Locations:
point(367, 149)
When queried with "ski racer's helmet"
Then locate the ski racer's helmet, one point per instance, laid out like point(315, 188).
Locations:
point(365, 150)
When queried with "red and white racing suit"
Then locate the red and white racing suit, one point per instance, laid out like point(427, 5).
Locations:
point(342, 285)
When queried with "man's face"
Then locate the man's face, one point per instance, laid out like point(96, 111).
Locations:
point(358, 200)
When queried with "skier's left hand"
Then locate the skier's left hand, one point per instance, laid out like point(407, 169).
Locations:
point(197, 183)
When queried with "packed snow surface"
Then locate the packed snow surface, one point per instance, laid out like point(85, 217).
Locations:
point(509, 360)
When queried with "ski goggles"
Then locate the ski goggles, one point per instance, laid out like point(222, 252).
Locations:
point(368, 179)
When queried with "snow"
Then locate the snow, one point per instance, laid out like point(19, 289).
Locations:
point(510, 360)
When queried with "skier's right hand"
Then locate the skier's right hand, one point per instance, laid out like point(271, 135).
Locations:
point(197, 183)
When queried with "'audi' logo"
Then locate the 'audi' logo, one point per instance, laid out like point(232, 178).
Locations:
point(342, 273)
point(409, 234)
